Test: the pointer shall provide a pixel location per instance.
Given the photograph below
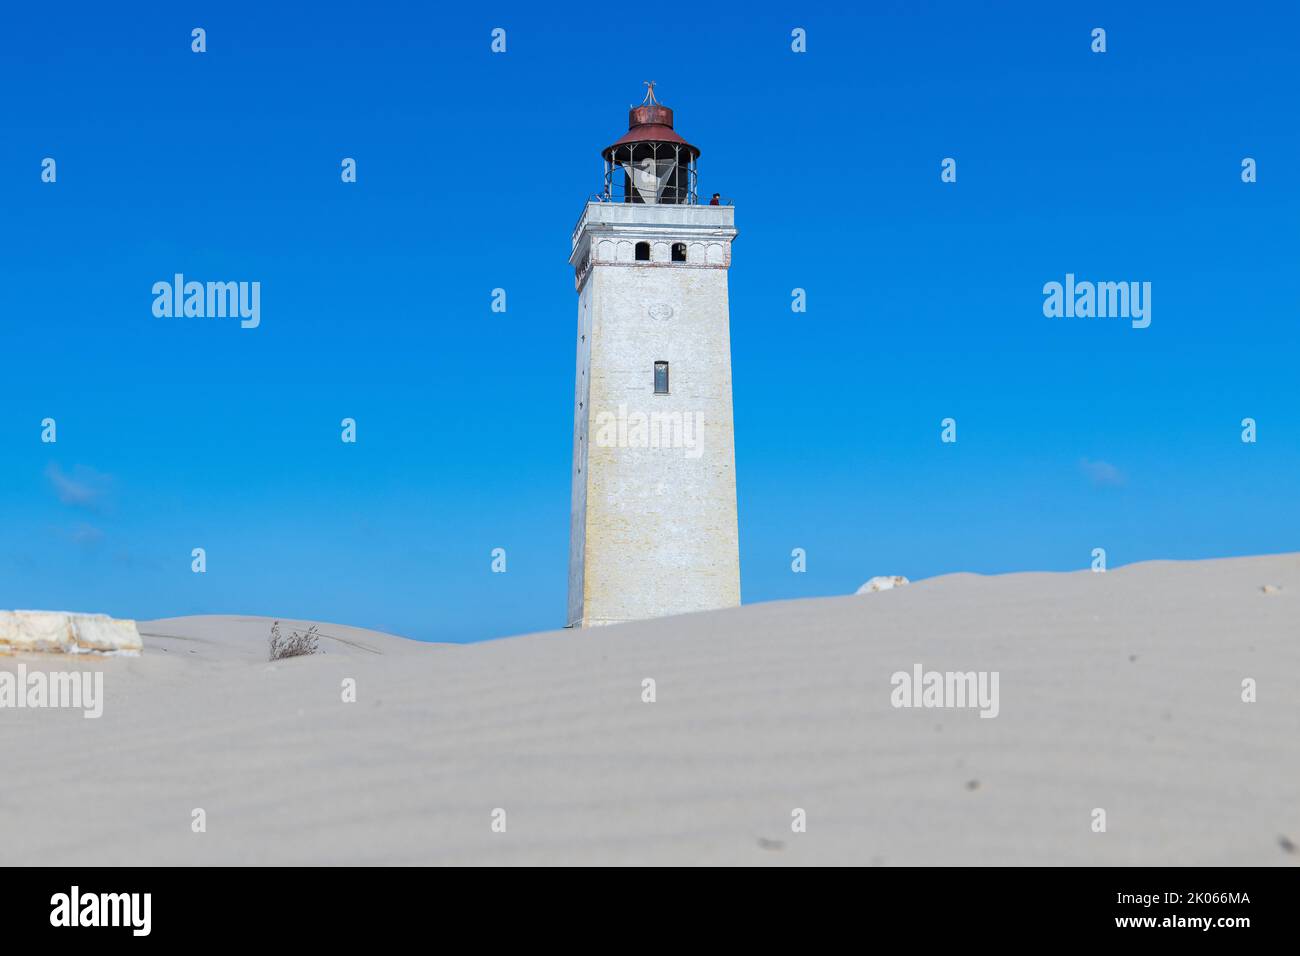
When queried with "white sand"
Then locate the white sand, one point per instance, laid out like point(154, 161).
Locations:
point(1119, 690)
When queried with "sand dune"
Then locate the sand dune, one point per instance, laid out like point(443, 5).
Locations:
point(1119, 691)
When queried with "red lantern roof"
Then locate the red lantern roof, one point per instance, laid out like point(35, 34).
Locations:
point(651, 122)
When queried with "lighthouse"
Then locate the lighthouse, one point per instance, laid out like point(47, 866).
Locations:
point(653, 527)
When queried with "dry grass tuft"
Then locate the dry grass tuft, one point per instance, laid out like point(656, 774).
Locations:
point(297, 644)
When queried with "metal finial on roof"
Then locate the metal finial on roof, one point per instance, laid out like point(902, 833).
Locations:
point(651, 122)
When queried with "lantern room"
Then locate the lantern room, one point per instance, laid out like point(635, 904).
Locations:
point(651, 163)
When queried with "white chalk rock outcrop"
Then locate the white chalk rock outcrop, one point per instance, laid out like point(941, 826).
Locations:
point(60, 632)
point(882, 583)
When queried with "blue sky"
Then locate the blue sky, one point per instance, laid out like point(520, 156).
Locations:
point(924, 298)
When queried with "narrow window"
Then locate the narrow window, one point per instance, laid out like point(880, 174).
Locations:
point(643, 252)
point(679, 252)
point(661, 378)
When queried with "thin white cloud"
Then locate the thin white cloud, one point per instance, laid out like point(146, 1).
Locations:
point(1101, 473)
point(86, 534)
point(83, 488)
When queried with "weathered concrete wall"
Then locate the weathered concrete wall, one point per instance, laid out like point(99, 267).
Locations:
point(655, 506)
point(58, 632)
point(578, 507)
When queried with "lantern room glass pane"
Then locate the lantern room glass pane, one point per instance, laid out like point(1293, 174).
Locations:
point(655, 173)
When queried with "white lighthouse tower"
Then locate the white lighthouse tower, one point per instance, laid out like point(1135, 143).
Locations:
point(653, 525)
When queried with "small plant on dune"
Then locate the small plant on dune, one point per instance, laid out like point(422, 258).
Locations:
point(297, 644)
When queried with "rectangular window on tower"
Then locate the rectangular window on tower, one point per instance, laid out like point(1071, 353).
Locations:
point(661, 378)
